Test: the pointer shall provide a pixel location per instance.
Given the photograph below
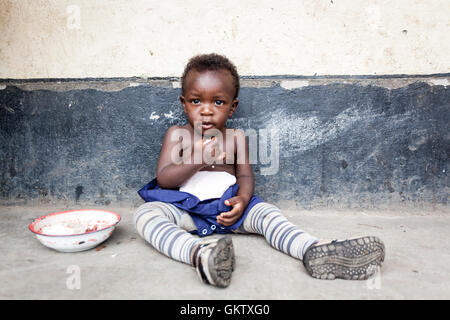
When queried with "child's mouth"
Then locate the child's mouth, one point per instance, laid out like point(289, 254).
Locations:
point(207, 125)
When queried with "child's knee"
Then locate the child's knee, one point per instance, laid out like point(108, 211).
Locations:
point(149, 207)
point(143, 209)
point(144, 213)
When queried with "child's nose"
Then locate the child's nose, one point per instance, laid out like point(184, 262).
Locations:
point(206, 109)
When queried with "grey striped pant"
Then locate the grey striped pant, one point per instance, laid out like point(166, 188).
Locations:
point(167, 228)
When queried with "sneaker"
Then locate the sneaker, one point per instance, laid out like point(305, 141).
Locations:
point(213, 260)
point(351, 259)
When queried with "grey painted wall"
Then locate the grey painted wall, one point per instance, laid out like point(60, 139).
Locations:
point(343, 143)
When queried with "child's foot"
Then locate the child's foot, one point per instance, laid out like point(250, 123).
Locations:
point(352, 259)
point(214, 261)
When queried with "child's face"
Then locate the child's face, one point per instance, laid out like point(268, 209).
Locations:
point(209, 98)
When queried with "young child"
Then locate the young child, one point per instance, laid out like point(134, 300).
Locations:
point(205, 186)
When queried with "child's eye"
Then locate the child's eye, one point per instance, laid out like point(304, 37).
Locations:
point(195, 101)
point(219, 102)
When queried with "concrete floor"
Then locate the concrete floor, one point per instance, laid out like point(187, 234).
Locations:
point(416, 266)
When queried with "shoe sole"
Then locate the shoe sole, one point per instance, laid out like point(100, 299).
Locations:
point(352, 259)
point(221, 263)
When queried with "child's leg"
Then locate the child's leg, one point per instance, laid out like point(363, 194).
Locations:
point(164, 226)
point(356, 258)
point(267, 220)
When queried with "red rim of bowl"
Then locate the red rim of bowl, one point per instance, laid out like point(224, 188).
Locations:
point(32, 224)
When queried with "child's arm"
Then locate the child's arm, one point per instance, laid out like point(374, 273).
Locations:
point(170, 175)
point(246, 182)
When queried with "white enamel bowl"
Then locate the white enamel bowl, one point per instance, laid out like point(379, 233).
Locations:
point(74, 230)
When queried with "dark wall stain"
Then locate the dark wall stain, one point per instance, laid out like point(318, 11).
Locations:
point(78, 193)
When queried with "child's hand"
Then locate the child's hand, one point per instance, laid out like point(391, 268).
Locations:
point(212, 151)
point(230, 217)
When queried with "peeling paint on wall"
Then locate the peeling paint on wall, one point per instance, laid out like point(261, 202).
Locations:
point(293, 84)
point(176, 84)
point(154, 116)
point(439, 82)
point(169, 115)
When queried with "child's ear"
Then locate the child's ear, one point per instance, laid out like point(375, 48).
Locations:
point(183, 102)
point(234, 105)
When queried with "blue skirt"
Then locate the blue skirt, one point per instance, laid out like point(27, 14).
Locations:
point(204, 212)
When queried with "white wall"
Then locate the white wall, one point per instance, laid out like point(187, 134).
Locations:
point(122, 38)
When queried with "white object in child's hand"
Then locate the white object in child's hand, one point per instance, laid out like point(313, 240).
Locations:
point(207, 140)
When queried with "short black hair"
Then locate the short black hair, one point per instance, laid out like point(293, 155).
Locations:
point(212, 62)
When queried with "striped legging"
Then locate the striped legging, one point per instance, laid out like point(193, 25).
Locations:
point(167, 228)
